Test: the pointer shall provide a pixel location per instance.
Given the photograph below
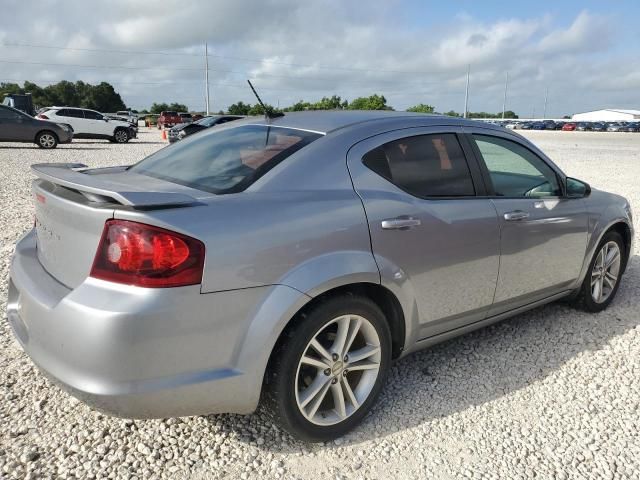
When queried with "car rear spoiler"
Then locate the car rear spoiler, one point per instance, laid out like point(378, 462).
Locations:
point(70, 175)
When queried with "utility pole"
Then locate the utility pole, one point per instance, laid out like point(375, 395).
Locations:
point(504, 100)
point(466, 93)
point(206, 76)
point(546, 96)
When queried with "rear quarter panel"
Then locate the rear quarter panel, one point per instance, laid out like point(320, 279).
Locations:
point(301, 225)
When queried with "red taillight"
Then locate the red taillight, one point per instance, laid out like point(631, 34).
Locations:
point(147, 256)
point(43, 116)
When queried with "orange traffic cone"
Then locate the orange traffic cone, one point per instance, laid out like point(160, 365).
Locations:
point(164, 134)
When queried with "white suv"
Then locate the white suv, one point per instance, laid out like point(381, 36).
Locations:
point(90, 124)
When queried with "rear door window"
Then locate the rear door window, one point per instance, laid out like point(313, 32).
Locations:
point(424, 165)
point(91, 115)
point(70, 112)
point(225, 161)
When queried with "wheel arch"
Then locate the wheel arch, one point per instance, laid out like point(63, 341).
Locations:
point(624, 230)
point(380, 295)
point(618, 224)
point(44, 130)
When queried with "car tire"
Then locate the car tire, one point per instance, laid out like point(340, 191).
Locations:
point(345, 390)
point(47, 140)
point(603, 277)
point(121, 136)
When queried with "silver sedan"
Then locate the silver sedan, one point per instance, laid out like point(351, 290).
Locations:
point(290, 260)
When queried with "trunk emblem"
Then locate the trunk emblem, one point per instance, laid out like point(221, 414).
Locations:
point(41, 198)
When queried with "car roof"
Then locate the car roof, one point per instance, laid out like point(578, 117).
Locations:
point(326, 121)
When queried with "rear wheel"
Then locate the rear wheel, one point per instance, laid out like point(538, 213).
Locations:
point(47, 140)
point(603, 278)
point(327, 374)
point(121, 136)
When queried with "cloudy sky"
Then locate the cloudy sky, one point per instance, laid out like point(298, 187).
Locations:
point(584, 52)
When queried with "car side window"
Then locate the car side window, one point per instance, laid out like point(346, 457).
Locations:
point(88, 114)
point(70, 112)
point(424, 165)
point(515, 170)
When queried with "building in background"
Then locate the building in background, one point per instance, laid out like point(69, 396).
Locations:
point(609, 114)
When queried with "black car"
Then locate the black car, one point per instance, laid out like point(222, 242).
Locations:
point(17, 126)
point(184, 129)
point(559, 125)
point(599, 127)
point(583, 126)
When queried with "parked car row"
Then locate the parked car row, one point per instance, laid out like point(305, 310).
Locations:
point(91, 124)
point(571, 126)
point(184, 129)
point(54, 125)
point(17, 126)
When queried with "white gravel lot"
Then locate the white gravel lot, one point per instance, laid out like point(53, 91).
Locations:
point(554, 393)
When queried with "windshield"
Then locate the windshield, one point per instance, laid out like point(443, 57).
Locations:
point(225, 161)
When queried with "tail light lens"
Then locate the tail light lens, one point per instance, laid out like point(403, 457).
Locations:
point(44, 117)
point(146, 256)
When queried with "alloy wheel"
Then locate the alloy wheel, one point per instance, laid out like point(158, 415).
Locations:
point(338, 370)
point(605, 272)
point(47, 140)
point(121, 136)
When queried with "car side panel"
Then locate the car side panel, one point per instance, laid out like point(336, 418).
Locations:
point(291, 238)
point(448, 265)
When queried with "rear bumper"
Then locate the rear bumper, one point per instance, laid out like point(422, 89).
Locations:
point(137, 352)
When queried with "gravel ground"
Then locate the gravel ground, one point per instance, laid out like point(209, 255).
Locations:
point(553, 393)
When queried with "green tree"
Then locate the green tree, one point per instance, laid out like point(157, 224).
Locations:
point(156, 108)
point(258, 110)
point(373, 102)
point(329, 103)
point(451, 113)
point(299, 106)
point(421, 108)
point(178, 107)
point(239, 108)
point(102, 97)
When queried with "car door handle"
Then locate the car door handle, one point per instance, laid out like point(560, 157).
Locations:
point(400, 223)
point(515, 216)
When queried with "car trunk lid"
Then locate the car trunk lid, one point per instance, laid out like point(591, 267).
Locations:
point(73, 203)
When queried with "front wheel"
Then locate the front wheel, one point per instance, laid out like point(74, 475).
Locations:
point(47, 140)
point(327, 373)
point(121, 136)
point(603, 277)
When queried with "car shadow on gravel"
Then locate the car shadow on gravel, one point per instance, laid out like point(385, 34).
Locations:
point(479, 367)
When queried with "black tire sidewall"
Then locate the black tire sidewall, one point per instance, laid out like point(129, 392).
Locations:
point(588, 302)
point(286, 370)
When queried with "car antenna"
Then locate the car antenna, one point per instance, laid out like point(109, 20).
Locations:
point(267, 115)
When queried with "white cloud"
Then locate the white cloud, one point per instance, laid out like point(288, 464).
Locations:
point(289, 48)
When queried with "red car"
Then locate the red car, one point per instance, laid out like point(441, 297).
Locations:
point(168, 119)
point(569, 127)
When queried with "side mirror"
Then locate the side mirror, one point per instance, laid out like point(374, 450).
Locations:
point(577, 188)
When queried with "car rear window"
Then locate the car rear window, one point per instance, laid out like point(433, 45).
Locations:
point(169, 113)
point(225, 161)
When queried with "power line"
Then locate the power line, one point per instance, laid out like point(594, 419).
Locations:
point(125, 67)
point(229, 57)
